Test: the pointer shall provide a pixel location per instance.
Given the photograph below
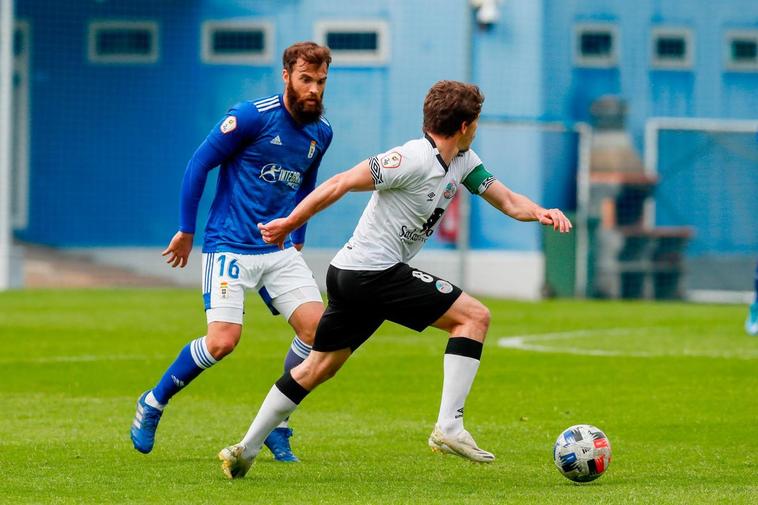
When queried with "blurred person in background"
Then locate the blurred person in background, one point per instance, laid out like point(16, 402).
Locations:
point(269, 151)
point(751, 323)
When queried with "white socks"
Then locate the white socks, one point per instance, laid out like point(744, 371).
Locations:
point(150, 400)
point(460, 366)
point(276, 407)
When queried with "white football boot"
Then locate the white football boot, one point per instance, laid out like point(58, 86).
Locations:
point(462, 444)
point(233, 462)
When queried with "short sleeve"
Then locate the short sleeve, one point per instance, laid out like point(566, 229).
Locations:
point(393, 169)
point(472, 161)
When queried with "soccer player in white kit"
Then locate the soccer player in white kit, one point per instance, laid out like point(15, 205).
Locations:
point(369, 280)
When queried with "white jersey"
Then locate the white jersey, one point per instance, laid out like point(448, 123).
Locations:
point(413, 189)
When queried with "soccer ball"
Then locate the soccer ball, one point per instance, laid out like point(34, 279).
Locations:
point(582, 453)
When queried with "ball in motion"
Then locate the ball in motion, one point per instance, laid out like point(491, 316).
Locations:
point(582, 453)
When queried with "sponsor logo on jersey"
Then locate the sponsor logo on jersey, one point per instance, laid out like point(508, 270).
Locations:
point(224, 289)
point(273, 173)
point(228, 125)
point(391, 160)
point(414, 234)
point(276, 141)
point(312, 149)
point(450, 190)
point(430, 196)
point(445, 287)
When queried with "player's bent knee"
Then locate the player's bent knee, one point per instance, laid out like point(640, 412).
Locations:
point(481, 316)
point(222, 338)
point(308, 333)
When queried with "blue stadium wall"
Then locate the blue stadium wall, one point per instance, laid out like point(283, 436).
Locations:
point(109, 143)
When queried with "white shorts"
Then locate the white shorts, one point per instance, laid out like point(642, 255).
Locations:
point(281, 278)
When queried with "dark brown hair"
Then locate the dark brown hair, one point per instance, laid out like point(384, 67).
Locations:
point(308, 51)
point(450, 103)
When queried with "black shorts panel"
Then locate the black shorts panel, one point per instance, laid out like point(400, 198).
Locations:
point(359, 301)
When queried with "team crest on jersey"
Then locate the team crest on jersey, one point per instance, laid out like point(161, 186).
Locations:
point(443, 287)
point(391, 160)
point(450, 190)
point(224, 289)
point(229, 125)
point(312, 149)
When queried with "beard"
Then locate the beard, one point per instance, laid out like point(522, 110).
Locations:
point(304, 112)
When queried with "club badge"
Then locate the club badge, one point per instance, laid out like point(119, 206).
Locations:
point(391, 160)
point(443, 287)
point(229, 125)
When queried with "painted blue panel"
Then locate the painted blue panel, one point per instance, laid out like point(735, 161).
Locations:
point(514, 157)
point(108, 142)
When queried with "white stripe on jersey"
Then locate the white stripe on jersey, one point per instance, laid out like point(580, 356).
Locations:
point(267, 101)
point(268, 107)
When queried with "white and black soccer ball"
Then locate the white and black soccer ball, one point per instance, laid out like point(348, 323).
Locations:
point(582, 453)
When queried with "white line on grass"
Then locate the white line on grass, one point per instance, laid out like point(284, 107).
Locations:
point(83, 358)
point(524, 343)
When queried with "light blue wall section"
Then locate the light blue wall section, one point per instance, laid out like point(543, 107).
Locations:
point(503, 57)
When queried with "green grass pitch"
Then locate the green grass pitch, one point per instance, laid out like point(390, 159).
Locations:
point(674, 386)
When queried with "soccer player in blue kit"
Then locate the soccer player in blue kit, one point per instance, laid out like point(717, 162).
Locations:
point(269, 151)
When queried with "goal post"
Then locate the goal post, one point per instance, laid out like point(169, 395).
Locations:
point(6, 155)
point(708, 179)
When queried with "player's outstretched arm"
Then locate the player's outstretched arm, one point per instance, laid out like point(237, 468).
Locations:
point(178, 249)
point(357, 178)
point(522, 208)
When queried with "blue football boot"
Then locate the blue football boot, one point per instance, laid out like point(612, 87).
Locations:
point(143, 427)
point(751, 323)
point(278, 442)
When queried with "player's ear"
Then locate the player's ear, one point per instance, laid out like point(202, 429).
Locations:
point(285, 76)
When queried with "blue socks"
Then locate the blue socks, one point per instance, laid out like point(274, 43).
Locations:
point(192, 359)
point(299, 350)
point(756, 283)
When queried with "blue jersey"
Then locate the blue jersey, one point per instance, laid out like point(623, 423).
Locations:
point(269, 163)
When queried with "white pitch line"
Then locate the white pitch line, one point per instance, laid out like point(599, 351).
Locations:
point(82, 358)
point(523, 342)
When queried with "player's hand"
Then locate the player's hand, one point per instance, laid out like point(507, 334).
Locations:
point(178, 249)
point(275, 232)
point(556, 218)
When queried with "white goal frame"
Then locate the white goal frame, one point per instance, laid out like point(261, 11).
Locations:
point(6, 158)
point(653, 127)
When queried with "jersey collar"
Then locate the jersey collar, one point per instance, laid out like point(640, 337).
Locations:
point(436, 151)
